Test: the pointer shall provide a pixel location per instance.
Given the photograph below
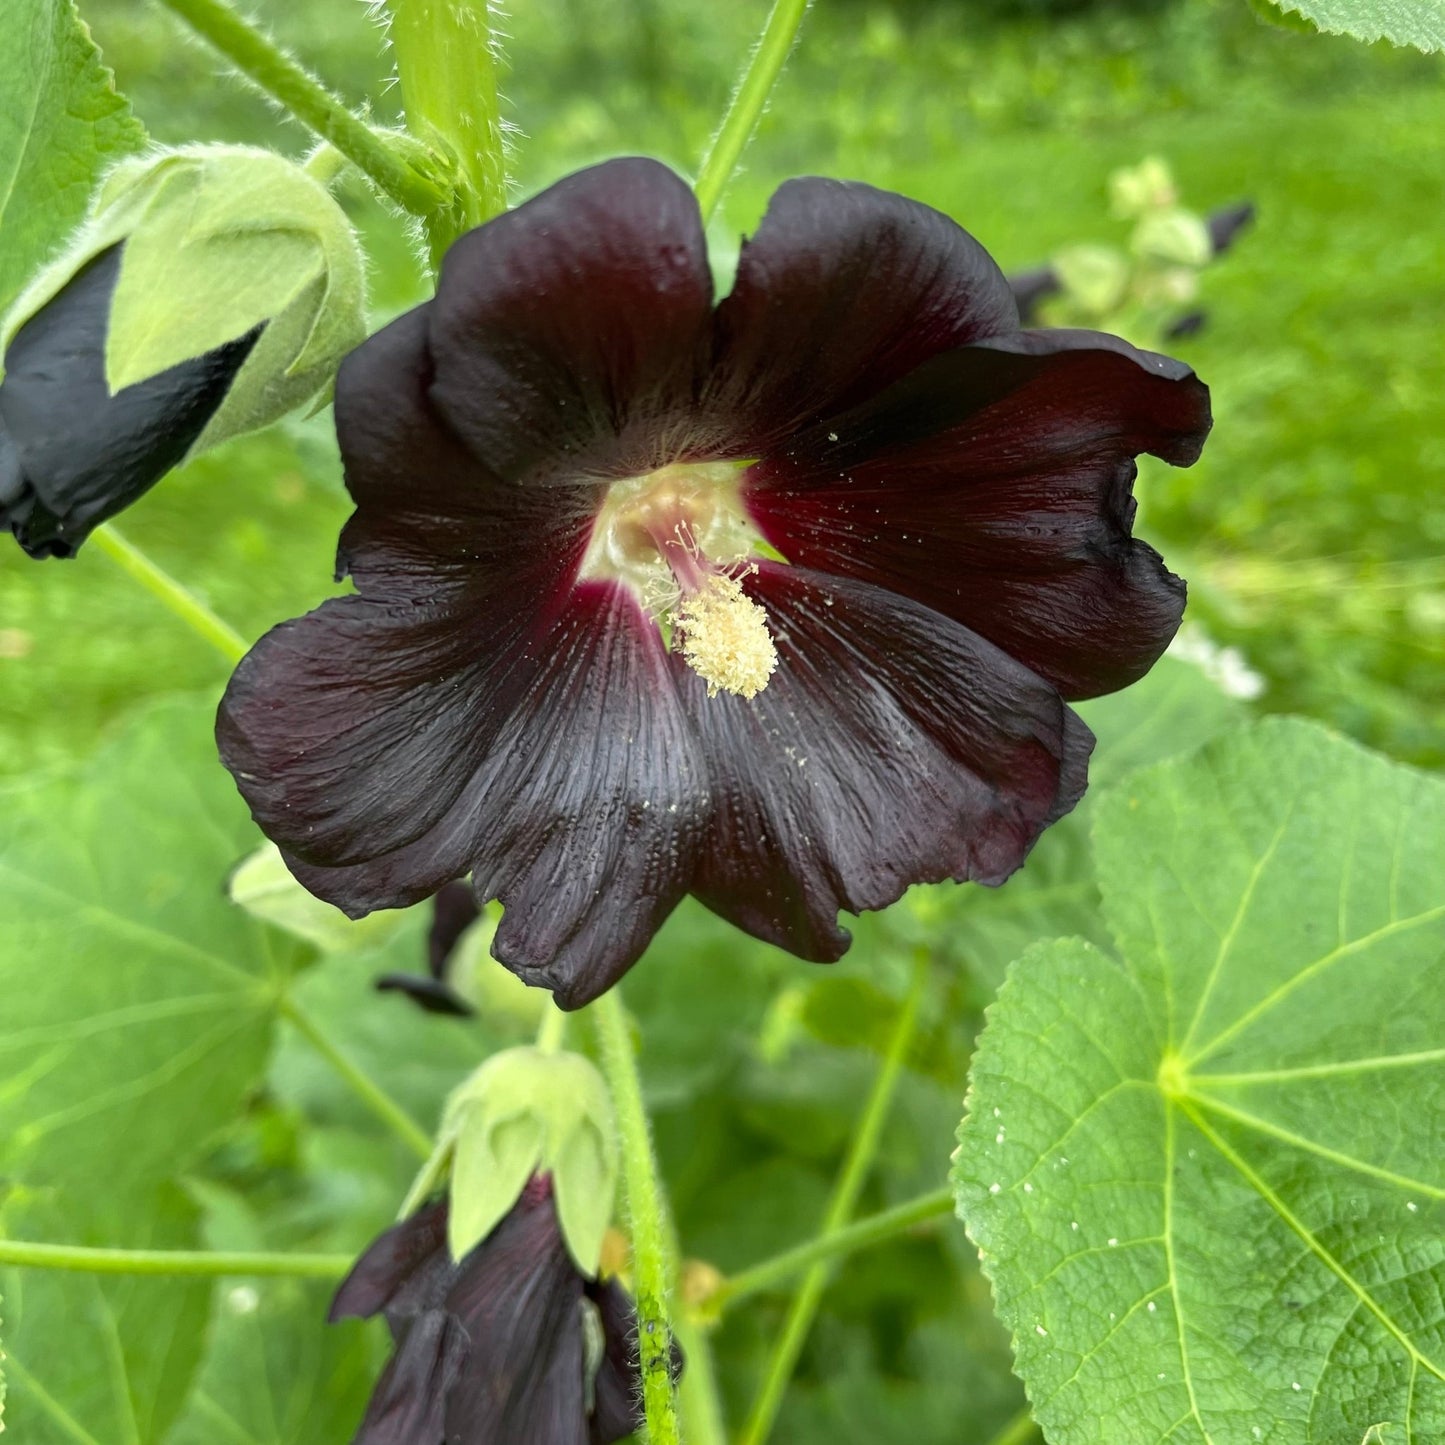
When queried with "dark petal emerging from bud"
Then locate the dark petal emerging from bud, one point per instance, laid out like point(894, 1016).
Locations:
point(454, 910)
point(71, 454)
point(431, 995)
point(493, 1350)
point(406, 1271)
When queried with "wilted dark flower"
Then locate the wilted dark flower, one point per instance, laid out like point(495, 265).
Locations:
point(71, 453)
point(454, 910)
point(510, 1345)
point(776, 602)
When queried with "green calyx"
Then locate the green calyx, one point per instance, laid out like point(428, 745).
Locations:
point(526, 1112)
point(218, 241)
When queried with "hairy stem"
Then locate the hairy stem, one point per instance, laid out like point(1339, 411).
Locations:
point(381, 1104)
point(280, 76)
point(447, 58)
point(749, 101)
point(652, 1248)
point(160, 584)
point(170, 1261)
point(850, 1182)
point(552, 1030)
point(846, 1240)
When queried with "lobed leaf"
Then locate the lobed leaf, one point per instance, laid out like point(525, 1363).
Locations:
point(102, 1359)
point(138, 1002)
point(1207, 1180)
point(1420, 23)
point(61, 123)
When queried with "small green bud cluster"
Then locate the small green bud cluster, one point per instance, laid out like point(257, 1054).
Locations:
point(527, 1111)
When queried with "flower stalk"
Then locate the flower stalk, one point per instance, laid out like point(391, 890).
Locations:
point(174, 595)
point(447, 59)
point(854, 1174)
point(749, 101)
point(652, 1248)
point(280, 76)
point(876, 1229)
point(28, 1254)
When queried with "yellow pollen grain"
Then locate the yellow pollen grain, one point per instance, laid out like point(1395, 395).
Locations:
point(725, 638)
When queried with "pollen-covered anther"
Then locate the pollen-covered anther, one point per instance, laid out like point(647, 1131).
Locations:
point(724, 637)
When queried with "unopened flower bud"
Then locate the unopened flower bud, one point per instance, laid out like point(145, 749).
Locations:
point(528, 1112)
point(213, 290)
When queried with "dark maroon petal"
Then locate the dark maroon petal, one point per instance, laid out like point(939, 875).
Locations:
point(392, 1263)
point(559, 771)
point(408, 1406)
point(432, 521)
point(995, 485)
point(454, 910)
point(891, 747)
point(570, 334)
point(352, 730)
point(519, 1298)
point(843, 290)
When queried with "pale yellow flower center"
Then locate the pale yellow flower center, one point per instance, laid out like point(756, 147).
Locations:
point(681, 539)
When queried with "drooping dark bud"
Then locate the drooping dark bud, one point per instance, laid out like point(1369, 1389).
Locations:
point(212, 290)
point(71, 454)
point(511, 1342)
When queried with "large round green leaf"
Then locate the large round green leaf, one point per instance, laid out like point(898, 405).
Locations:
point(1207, 1179)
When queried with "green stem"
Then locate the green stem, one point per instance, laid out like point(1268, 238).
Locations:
point(748, 102)
point(850, 1238)
point(183, 602)
point(380, 1103)
point(447, 58)
point(698, 1398)
point(271, 69)
point(170, 1261)
point(1019, 1431)
point(854, 1174)
point(652, 1249)
point(552, 1031)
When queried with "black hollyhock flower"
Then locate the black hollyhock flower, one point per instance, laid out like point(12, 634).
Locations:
point(511, 1345)
point(454, 910)
point(775, 601)
point(72, 454)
